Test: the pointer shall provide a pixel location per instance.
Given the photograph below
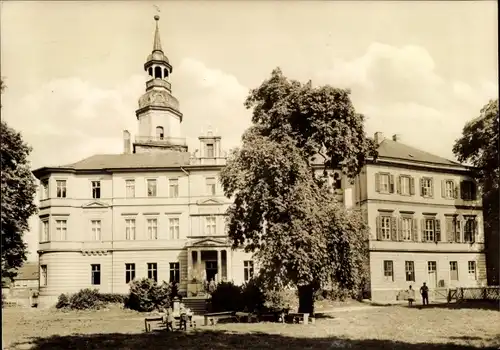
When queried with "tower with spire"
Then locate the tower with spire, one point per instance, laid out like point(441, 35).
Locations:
point(158, 115)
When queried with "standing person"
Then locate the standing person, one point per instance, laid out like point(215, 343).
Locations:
point(424, 291)
point(411, 296)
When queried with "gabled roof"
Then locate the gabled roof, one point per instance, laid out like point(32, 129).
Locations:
point(127, 161)
point(29, 271)
point(397, 150)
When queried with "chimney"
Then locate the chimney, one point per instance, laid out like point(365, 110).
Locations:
point(379, 137)
point(126, 142)
point(396, 137)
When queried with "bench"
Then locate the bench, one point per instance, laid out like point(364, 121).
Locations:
point(213, 317)
point(149, 320)
point(298, 317)
point(158, 319)
point(245, 317)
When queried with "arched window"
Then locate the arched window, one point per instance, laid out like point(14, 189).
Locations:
point(165, 73)
point(159, 132)
point(150, 71)
point(157, 72)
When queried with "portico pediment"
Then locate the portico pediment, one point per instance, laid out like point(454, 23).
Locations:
point(208, 242)
point(95, 204)
point(209, 201)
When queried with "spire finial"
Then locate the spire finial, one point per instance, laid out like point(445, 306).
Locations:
point(157, 43)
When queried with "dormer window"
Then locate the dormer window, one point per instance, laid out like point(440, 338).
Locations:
point(210, 150)
point(159, 133)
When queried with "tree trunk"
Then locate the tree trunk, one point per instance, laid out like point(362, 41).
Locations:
point(306, 299)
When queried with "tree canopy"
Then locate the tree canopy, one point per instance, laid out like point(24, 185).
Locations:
point(283, 210)
point(479, 145)
point(18, 192)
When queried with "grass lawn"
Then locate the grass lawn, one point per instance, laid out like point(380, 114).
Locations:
point(391, 327)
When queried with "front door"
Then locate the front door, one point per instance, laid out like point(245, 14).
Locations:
point(432, 275)
point(211, 269)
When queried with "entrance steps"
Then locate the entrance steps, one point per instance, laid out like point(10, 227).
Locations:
point(197, 304)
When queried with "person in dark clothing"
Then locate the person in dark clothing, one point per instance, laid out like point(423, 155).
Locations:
point(424, 291)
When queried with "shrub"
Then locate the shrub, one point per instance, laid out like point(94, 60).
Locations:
point(227, 297)
point(86, 299)
point(112, 298)
point(63, 301)
point(281, 299)
point(253, 296)
point(146, 295)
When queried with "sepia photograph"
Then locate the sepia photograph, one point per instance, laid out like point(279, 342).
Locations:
point(213, 174)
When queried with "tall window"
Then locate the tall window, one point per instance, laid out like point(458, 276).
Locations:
point(385, 227)
point(43, 275)
point(96, 274)
point(159, 133)
point(469, 229)
point(426, 187)
point(410, 271)
point(429, 230)
point(453, 271)
point(153, 271)
point(130, 188)
point(472, 269)
point(388, 271)
point(96, 189)
point(404, 185)
point(210, 185)
point(45, 188)
point(248, 270)
point(337, 181)
point(406, 226)
point(61, 229)
point(210, 150)
point(175, 272)
point(130, 229)
point(431, 266)
point(384, 183)
point(45, 231)
point(174, 188)
point(449, 189)
point(210, 225)
point(96, 229)
point(129, 272)
point(151, 187)
point(152, 228)
point(468, 190)
point(173, 228)
point(61, 188)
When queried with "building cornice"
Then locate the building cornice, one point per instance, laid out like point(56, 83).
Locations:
point(423, 204)
point(158, 108)
point(419, 165)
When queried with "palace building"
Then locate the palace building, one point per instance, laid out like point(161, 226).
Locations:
point(158, 211)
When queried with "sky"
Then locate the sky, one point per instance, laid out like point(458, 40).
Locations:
point(74, 70)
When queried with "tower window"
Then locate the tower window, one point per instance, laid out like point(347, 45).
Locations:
point(165, 73)
point(210, 150)
point(150, 71)
point(159, 132)
point(157, 72)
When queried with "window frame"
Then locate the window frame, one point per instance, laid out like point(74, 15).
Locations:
point(61, 230)
point(401, 187)
point(248, 270)
point(173, 188)
point(174, 224)
point(430, 189)
point(129, 272)
point(152, 271)
point(130, 229)
point(45, 187)
point(449, 193)
point(211, 188)
point(174, 272)
point(152, 228)
point(95, 270)
point(44, 275)
point(388, 277)
point(472, 275)
point(129, 185)
point(151, 194)
point(210, 228)
point(469, 221)
point(382, 176)
point(61, 188)
point(385, 218)
point(94, 228)
point(210, 147)
point(409, 219)
point(454, 271)
point(410, 271)
point(427, 232)
point(45, 231)
point(96, 189)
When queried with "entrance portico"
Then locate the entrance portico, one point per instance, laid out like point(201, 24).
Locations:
point(209, 259)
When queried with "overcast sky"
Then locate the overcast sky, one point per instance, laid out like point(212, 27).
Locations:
point(74, 70)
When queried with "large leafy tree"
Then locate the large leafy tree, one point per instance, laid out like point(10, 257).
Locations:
point(479, 146)
point(283, 210)
point(18, 192)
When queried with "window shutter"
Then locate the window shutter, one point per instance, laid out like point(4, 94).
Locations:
point(461, 190)
point(443, 188)
point(398, 185)
point(412, 185)
point(422, 228)
point(394, 229)
point(391, 183)
point(377, 182)
point(400, 229)
point(414, 230)
point(458, 229)
point(450, 229)
point(421, 182)
point(432, 187)
point(455, 189)
point(473, 190)
point(476, 231)
point(437, 230)
point(379, 230)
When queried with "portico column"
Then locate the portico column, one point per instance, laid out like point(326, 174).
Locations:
point(229, 264)
point(190, 265)
point(219, 265)
point(198, 263)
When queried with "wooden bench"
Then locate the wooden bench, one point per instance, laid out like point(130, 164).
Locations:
point(297, 317)
point(213, 317)
point(245, 317)
point(149, 320)
point(158, 319)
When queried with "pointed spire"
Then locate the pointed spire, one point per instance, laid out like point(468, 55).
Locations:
point(157, 43)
